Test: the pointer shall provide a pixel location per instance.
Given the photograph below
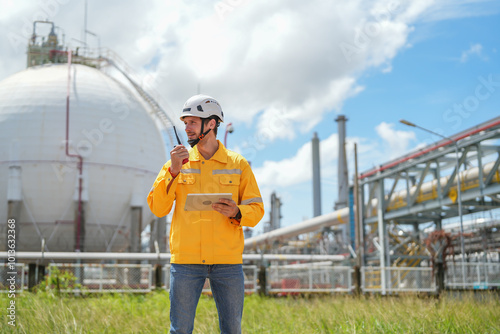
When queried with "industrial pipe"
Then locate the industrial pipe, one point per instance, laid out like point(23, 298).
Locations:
point(334, 218)
point(79, 157)
point(159, 256)
point(398, 199)
point(342, 216)
point(33, 36)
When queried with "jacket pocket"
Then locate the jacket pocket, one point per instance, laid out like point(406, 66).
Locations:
point(187, 179)
point(230, 180)
point(230, 183)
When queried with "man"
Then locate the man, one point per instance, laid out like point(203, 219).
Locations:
point(206, 244)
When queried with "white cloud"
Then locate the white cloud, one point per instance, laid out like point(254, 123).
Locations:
point(396, 141)
point(12, 8)
point(275, 62)
point(264, 62)
point(286, 172)
point(257, 58)
point(475, 49)
point(277, 122)
point(298, 168)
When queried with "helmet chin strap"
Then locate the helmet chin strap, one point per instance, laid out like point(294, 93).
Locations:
point(202, 135)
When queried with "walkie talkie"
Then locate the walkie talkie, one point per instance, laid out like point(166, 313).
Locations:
point(179, 141)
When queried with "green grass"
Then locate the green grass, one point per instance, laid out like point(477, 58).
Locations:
point(127, 313)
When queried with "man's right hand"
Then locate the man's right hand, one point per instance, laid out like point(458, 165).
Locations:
point(177, 155)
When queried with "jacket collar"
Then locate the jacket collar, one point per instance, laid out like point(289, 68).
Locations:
point(220, 155)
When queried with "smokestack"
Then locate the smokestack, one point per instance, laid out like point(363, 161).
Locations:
point(342, 201)
point(275, 212)
point(316, 176)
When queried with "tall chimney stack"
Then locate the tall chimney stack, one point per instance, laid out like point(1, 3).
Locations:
point(316, 176)
point(343, 181)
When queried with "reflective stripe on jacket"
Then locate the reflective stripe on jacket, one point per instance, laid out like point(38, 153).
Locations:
point(207, 237)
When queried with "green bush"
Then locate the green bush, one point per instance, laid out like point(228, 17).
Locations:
point(58, 281)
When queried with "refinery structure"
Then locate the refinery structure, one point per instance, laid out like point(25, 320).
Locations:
point(82, 141)
point(79, 150)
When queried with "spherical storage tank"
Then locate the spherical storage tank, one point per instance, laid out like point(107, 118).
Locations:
point(121, 147)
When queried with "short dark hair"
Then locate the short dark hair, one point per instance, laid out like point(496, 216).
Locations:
point(217, 123)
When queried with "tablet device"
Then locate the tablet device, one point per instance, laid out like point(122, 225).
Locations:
point(203, 202)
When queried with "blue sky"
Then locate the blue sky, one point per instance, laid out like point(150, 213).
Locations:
point(281, 72)
point(439, 68)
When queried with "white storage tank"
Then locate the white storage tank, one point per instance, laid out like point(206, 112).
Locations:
point(121, 146)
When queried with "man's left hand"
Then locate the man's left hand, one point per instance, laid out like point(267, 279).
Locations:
point(227, 207)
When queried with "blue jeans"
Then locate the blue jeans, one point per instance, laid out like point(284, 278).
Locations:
point(228, 290)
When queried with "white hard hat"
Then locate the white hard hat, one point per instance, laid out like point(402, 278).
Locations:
point(202, 106)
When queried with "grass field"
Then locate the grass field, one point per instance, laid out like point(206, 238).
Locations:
point(124, 313)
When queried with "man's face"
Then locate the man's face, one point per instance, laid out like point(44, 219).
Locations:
point(192, 126)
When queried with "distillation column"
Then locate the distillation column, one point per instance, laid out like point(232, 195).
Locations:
point(316, 176)
point(342, 176)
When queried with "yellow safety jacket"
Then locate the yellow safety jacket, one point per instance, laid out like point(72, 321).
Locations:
point(207, 237)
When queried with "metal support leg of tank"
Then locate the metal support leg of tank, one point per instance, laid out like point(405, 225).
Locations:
point(14, 213)
point(153, 248)
point(134, 278)
point(36, 274)
point(158, 234)
point(79, 229)
point(41, 274)
point(32, 276)
point(14, 195)
point(158, 276)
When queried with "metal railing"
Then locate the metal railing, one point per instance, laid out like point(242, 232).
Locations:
point(7, 272)
point(101, 277)
point(399, 279)
point(313, 278)
point(249, 271)
point(478, 275)
point(294, 278)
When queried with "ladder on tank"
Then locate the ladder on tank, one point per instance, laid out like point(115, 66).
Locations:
point(156, 109)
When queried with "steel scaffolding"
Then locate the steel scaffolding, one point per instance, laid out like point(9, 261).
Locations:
point(421, 188)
